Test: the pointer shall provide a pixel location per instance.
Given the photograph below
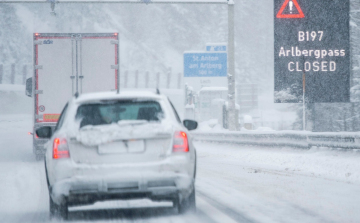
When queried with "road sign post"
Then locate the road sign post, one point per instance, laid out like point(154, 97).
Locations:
point(303, 94)
point(233, 120)
point(317, 31)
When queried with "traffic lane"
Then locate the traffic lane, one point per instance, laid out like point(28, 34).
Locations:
point(220, 211)
point(25, 192)
point(127, 215)
point(207, 212)
point(22, 185)
point(252, 190)
point(262, 184)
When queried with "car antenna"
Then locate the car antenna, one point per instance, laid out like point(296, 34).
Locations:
point(157, 91)
point(76, 95)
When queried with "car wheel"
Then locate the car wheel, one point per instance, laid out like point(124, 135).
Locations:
point(47, 177)
point(58, 211)
point(188, 204)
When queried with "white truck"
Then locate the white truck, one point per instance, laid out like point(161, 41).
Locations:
point(66, 65)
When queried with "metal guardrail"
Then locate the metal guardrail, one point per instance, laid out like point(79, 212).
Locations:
point(293, 139)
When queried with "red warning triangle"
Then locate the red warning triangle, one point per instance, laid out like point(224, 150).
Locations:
point(280, 14)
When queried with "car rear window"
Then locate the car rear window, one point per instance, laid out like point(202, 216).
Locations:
point(107, 112)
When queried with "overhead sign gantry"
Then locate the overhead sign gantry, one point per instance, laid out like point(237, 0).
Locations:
point(233, 118)
point(312, 40)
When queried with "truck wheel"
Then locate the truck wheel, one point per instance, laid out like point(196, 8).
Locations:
point(58, 211)
point(39, 157)
point(188, 204)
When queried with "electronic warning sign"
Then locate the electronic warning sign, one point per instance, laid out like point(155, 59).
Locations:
point(312, 51)
point(293, 10)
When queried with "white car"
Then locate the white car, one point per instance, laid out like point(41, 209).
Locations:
point(119, 146)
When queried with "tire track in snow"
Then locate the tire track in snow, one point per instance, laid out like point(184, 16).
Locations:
point(37, 212)
point(24, 187)
point(228, 214)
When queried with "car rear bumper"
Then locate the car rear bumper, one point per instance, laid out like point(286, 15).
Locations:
point(88, 185)
point(80, 190)
point(91, 198)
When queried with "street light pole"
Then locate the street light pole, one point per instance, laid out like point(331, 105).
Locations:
point(304, 105)
point(232, 114)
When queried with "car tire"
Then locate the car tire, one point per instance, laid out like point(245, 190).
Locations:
point(188, 204)
point(58, 211)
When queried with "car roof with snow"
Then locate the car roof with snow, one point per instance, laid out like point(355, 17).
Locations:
point(93, 97)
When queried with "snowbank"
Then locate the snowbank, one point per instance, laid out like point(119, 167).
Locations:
point(316, 162)
point(12, 87)
point(13, 100)
point(211, 125)
point(281, 184)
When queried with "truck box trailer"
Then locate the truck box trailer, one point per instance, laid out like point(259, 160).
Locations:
point(68, 64)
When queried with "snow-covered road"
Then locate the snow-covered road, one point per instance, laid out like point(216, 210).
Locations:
point(234, 184)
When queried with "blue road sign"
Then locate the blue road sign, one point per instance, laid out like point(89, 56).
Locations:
point(205, 64)
point(216, 48)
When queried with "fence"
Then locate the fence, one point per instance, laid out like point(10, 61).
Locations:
point(292, 139)
point(146, 79)
point(17, 74)
point(14, 74)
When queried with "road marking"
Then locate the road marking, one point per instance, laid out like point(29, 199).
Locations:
point(212, 212)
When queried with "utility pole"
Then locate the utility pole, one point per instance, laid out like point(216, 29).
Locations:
point(304, 105)
point(233, 121)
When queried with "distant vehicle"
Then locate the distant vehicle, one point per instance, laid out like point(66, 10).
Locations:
point(66, 64)
point(119, 146)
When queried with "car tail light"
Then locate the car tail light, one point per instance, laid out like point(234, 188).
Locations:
point(60, 149)
point(36, 136)
point(180, 143)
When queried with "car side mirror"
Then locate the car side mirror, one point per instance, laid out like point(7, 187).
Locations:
point(44, 132)
point(190, 124)
point(28, 90)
